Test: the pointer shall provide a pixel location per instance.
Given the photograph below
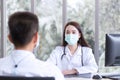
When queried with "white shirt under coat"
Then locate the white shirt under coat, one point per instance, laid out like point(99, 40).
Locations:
point(74, 61)
point(28, 65)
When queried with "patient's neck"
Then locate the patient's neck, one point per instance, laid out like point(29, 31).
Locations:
point(27, 48)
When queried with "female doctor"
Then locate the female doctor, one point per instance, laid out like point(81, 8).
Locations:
point(74, 56)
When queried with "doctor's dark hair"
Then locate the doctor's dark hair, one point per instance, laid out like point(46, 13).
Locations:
point(81, 40)
point(22, 27)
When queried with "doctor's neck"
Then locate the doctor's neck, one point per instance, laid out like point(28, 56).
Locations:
point(73, 48)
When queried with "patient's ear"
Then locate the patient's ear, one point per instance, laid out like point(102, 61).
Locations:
point(10, 38)
point(36, 36)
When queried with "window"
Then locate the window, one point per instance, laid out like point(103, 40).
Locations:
point(109, 23)
point(50, 27)
point(11, 7)
point(83, 12)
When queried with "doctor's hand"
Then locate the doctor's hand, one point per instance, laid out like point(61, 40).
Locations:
point(72, 71)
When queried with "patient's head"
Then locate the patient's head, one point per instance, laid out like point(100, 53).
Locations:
point(23, 26)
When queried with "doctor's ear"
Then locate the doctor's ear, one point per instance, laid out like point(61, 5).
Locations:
point(10, 38)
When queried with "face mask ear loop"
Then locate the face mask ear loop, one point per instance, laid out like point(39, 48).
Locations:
point(63, 53)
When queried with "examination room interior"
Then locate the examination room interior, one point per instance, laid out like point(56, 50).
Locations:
point(96, 17)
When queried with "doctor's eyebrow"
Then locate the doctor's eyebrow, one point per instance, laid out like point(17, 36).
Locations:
point(73, 31)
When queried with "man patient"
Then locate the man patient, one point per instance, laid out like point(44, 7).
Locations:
point(23, 33)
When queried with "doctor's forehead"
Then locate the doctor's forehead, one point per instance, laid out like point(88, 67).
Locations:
point(71, 28)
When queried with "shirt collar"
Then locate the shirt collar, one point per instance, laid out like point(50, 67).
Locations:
point(21, 52)
point(18, 54)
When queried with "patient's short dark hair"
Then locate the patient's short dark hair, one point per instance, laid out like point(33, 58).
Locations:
point(22, 27)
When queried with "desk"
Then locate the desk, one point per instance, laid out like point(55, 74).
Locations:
point(86, 76)
point(83, 79)
point(77, 78)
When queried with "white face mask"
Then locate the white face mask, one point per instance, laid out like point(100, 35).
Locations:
point(71, 39)
point(36, 46)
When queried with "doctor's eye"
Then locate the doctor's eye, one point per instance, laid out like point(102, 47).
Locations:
point(67, 32)
point(74, 32)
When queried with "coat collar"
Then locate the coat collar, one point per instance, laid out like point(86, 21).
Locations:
point(77, 52)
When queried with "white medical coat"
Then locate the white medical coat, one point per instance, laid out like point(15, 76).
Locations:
point(74, 61)
point(28, 65)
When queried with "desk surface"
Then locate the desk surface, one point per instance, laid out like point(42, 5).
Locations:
point(77, 79)
point(82, 79)
point(86, 76)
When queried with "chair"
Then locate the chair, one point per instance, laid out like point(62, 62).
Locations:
point(25, 78)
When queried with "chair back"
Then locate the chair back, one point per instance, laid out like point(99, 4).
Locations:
point(25, 78)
